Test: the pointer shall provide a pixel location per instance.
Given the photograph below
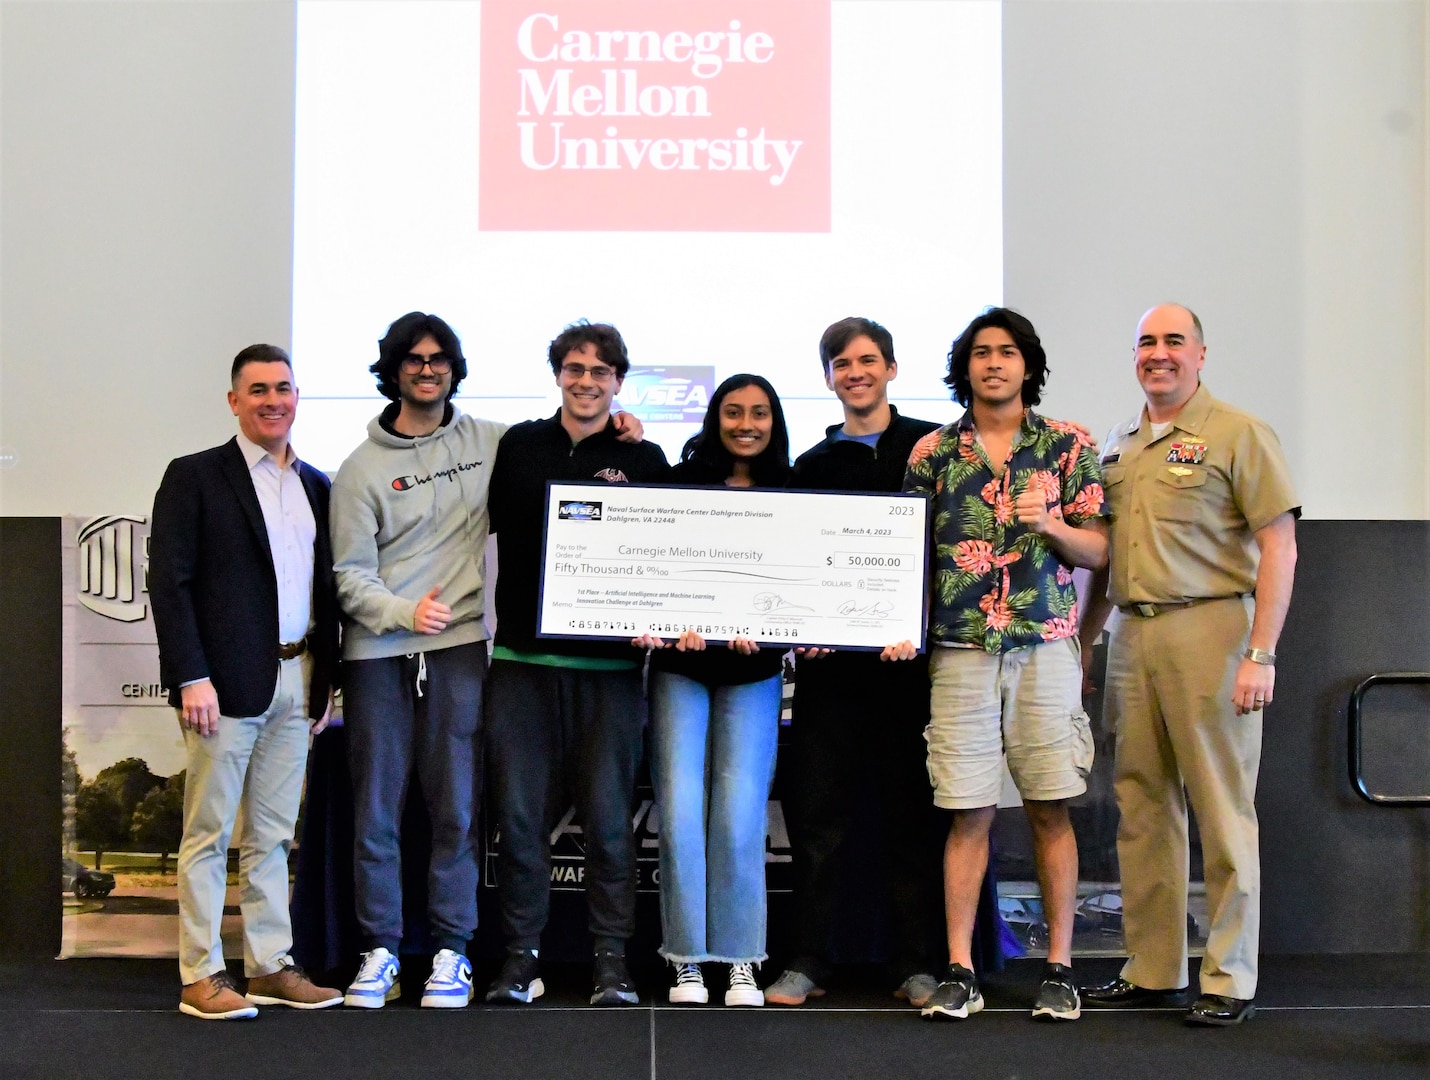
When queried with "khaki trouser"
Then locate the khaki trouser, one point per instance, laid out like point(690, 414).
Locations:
point(1169, 687)
point(258, 761)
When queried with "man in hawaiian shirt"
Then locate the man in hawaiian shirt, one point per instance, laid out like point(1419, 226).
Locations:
point(1017, 503)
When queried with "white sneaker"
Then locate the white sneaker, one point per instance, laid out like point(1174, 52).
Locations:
point(450, 984)
point(743, 988)
point(689, 988)
point(376, 983)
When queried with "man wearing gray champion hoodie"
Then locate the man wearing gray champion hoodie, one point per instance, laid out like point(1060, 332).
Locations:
point(409, 528)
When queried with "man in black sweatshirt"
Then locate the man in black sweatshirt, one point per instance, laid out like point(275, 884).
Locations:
point(857, 729)
point(563, 709)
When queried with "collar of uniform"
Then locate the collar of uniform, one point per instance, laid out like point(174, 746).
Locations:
point(1027, 432)
point(253, 454)
point(1192, 416)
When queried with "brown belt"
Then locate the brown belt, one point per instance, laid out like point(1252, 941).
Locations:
point(1148, 611)
point(287, 650)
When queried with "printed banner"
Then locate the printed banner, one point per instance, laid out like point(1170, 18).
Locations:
point(645, 115)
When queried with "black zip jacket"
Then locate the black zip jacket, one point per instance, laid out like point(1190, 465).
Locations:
point(844, 465)
point(528, 456)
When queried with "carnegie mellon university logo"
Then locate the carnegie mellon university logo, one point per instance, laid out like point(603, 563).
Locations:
point(647, 115)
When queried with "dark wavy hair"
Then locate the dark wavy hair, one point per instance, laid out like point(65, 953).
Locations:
point(1035, 360)
point(769, 468)
point(401, 337)
point(610, 346)
point(258, 354)
point(837, 338)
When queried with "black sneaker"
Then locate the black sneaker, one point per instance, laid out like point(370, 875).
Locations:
point(613, 981)
point(1057, 996)
point(520, 979)
point(957, 997)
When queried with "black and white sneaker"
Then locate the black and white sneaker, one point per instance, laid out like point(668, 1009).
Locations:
point(957, 997)
point(520, 979)
point(1057, 996)
point(613, 981)
point(689, 988)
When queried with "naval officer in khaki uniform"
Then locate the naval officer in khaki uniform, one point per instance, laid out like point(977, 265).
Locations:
point(1203, 520)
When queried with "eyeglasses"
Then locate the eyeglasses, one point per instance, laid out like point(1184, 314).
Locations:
point(439, 364)
point(575, 372)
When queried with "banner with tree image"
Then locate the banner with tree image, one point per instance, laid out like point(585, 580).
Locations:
point(123, 763)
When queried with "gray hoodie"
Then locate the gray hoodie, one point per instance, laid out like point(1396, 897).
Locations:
point(408, 515)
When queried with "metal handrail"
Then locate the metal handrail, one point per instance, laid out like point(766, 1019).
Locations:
point(1353, 729)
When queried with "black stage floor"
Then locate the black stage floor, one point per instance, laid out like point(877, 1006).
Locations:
point(1342, 1016)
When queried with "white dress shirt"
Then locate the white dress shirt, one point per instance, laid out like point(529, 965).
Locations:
point(291, 532)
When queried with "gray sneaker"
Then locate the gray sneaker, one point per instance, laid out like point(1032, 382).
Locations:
point(792, 988)
point(917, 989)
point(1057, 996)
point(957, 997)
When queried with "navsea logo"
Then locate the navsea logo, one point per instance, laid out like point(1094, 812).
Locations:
point(575, 510)
point(109, 568)
point(668, 395)
point(646, 115)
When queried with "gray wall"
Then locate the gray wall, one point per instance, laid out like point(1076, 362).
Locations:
point(146, 210)
point(1264, 162)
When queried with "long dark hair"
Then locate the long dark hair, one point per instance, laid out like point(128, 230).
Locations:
point(1035, 360)
point(770, 468)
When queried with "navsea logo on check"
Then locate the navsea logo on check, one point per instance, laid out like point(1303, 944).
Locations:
point(578, 510)
point(646, 115)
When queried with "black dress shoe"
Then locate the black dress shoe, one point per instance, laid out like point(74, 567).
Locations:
point(1219, 1011)
point(1120, 993)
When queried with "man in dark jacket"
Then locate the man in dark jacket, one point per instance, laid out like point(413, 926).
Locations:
point(241, 579)
point(561, 709)
point(857, 729)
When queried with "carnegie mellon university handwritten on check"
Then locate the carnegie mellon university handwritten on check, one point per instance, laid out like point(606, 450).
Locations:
point(780, 567)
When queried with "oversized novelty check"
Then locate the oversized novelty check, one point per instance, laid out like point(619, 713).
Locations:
point(783, 567)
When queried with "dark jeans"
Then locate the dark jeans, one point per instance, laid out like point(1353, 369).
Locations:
point(555, 734)
point(391, 727)
point(856, 738)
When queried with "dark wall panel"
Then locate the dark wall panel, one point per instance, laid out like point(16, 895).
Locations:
point(30, 684)
point(1338, 874)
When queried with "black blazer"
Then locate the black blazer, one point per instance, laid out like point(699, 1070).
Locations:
point(213, 588)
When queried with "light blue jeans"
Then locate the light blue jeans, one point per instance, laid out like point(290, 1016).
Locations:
point(713, 763)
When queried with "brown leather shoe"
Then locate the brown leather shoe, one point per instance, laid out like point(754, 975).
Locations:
point(290, 986)
point(215, 998)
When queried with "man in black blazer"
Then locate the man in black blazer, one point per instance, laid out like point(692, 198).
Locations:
point(241, 580)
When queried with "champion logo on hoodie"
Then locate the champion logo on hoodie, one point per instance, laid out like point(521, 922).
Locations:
point(407, 483)
point(612, 476)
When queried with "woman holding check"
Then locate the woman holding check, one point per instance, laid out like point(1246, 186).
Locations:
point(715, 721)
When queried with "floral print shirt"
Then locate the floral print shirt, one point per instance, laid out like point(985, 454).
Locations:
point(995, 584)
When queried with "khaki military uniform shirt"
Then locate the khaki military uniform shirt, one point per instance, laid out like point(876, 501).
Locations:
point(1185, 506)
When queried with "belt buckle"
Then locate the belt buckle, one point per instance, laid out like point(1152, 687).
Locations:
point(1145, 610)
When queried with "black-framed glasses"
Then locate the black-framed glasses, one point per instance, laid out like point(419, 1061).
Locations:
point(439, 364)
point(600, 372)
